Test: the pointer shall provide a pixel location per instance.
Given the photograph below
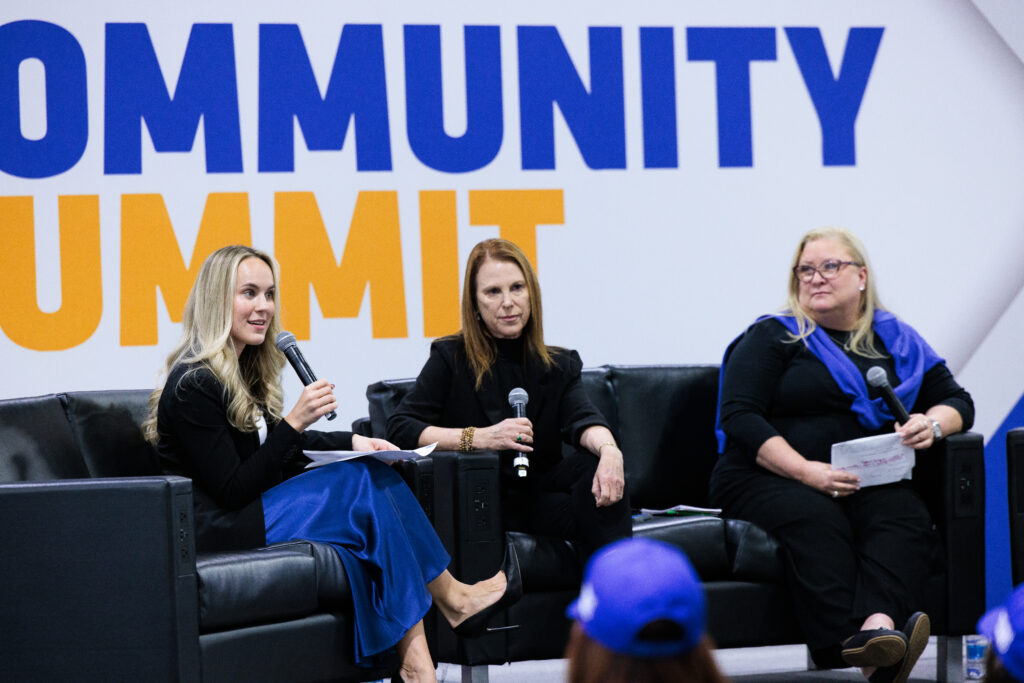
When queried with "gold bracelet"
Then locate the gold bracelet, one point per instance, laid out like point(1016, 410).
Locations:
point(466, 440)
point(606, 443)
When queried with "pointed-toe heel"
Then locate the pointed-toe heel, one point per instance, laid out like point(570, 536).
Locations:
point(477, 624)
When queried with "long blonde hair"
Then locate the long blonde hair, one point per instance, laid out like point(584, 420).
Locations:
point(862, 341)
point(252, 381)
point(480, 347)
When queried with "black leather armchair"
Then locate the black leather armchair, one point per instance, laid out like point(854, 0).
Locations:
point(99, 579)
point(663, 417)
point(1015, 491)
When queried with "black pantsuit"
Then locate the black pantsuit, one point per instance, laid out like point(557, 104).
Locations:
point(555, 498)
point(561, 504)
point(847, 558)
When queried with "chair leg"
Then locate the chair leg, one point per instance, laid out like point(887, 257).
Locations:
point(474, 674)
point(949, 662)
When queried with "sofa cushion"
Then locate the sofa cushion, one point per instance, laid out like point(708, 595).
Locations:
point(546, 563)
point(755, 554)
point(664, 415)
point(244, 587)
point(107, 427)
point(332, 587)
point(36, 443)
point(701, 538)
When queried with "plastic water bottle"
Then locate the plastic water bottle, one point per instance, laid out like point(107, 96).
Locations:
point(975, 668)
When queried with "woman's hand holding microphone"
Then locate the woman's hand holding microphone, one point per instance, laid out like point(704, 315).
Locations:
point(315, 401)
point(513, 433)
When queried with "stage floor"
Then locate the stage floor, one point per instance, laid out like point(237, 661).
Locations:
point(780, 664)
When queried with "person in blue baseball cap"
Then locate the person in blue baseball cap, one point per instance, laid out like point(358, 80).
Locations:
point(640, 617)
point(1004, 628)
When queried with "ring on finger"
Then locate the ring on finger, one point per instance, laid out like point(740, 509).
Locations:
point(835, 493)
point(519, 438)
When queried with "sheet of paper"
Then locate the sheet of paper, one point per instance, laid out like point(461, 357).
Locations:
point(321, 458)
point(875, 459)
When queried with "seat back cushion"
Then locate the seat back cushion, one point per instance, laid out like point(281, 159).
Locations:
point(383, 399)
point(107, 427)
point(36, 442)
point(666, 428)
point(598, 386)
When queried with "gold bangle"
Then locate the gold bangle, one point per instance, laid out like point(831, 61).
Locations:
point(606, 443)
point(466, 440)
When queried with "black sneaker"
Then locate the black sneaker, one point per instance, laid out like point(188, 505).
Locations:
point(875, 647)
point(917, 630)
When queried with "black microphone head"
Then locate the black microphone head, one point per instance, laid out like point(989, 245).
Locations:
point(284, 340)
point(518, 396)
point(877, 376)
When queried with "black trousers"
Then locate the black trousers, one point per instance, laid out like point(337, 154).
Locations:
point(560, 503)
point(846, 558)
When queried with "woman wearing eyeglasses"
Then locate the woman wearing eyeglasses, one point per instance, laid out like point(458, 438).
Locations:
point(792, 385)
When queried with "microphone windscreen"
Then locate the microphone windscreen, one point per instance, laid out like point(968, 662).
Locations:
point(518, 395)
point(284, 340)
point(877, 376)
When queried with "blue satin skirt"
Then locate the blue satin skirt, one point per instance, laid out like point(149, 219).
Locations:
point(389, 549)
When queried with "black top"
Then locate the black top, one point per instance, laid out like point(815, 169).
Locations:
point(229, 468)
point(772, 386)
point(445, 396)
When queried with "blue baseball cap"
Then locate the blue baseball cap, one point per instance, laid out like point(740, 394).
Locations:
point(1004, 628)
point(632, 582)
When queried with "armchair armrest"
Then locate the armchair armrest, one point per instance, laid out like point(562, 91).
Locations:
point(951, 478)
point(97, 580)
point(1015, 479)
point(460, 492)
point(362, 426)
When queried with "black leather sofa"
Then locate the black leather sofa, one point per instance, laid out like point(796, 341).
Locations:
point(663, 418)
point(99, 579)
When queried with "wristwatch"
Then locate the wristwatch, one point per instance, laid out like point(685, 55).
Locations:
point(936, 428)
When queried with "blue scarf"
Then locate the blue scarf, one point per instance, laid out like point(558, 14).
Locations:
point(910, 352)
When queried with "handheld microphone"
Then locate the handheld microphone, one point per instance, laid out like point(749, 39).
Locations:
point(880, 380)
point(285, 342)
point(518, 398)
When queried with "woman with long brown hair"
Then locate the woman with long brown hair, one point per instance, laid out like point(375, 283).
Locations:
point(461, 401)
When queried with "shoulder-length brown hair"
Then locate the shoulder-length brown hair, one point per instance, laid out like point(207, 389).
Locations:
point(591, 662)
point(480, 348)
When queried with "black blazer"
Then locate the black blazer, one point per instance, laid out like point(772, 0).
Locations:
point(445, 395)
point(229, 468)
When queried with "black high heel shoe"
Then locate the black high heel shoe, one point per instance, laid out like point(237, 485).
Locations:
point(477, 624)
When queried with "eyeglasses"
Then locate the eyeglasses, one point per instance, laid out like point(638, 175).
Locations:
point(828, 270)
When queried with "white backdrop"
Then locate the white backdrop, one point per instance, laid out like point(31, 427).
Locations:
point(649, 265)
